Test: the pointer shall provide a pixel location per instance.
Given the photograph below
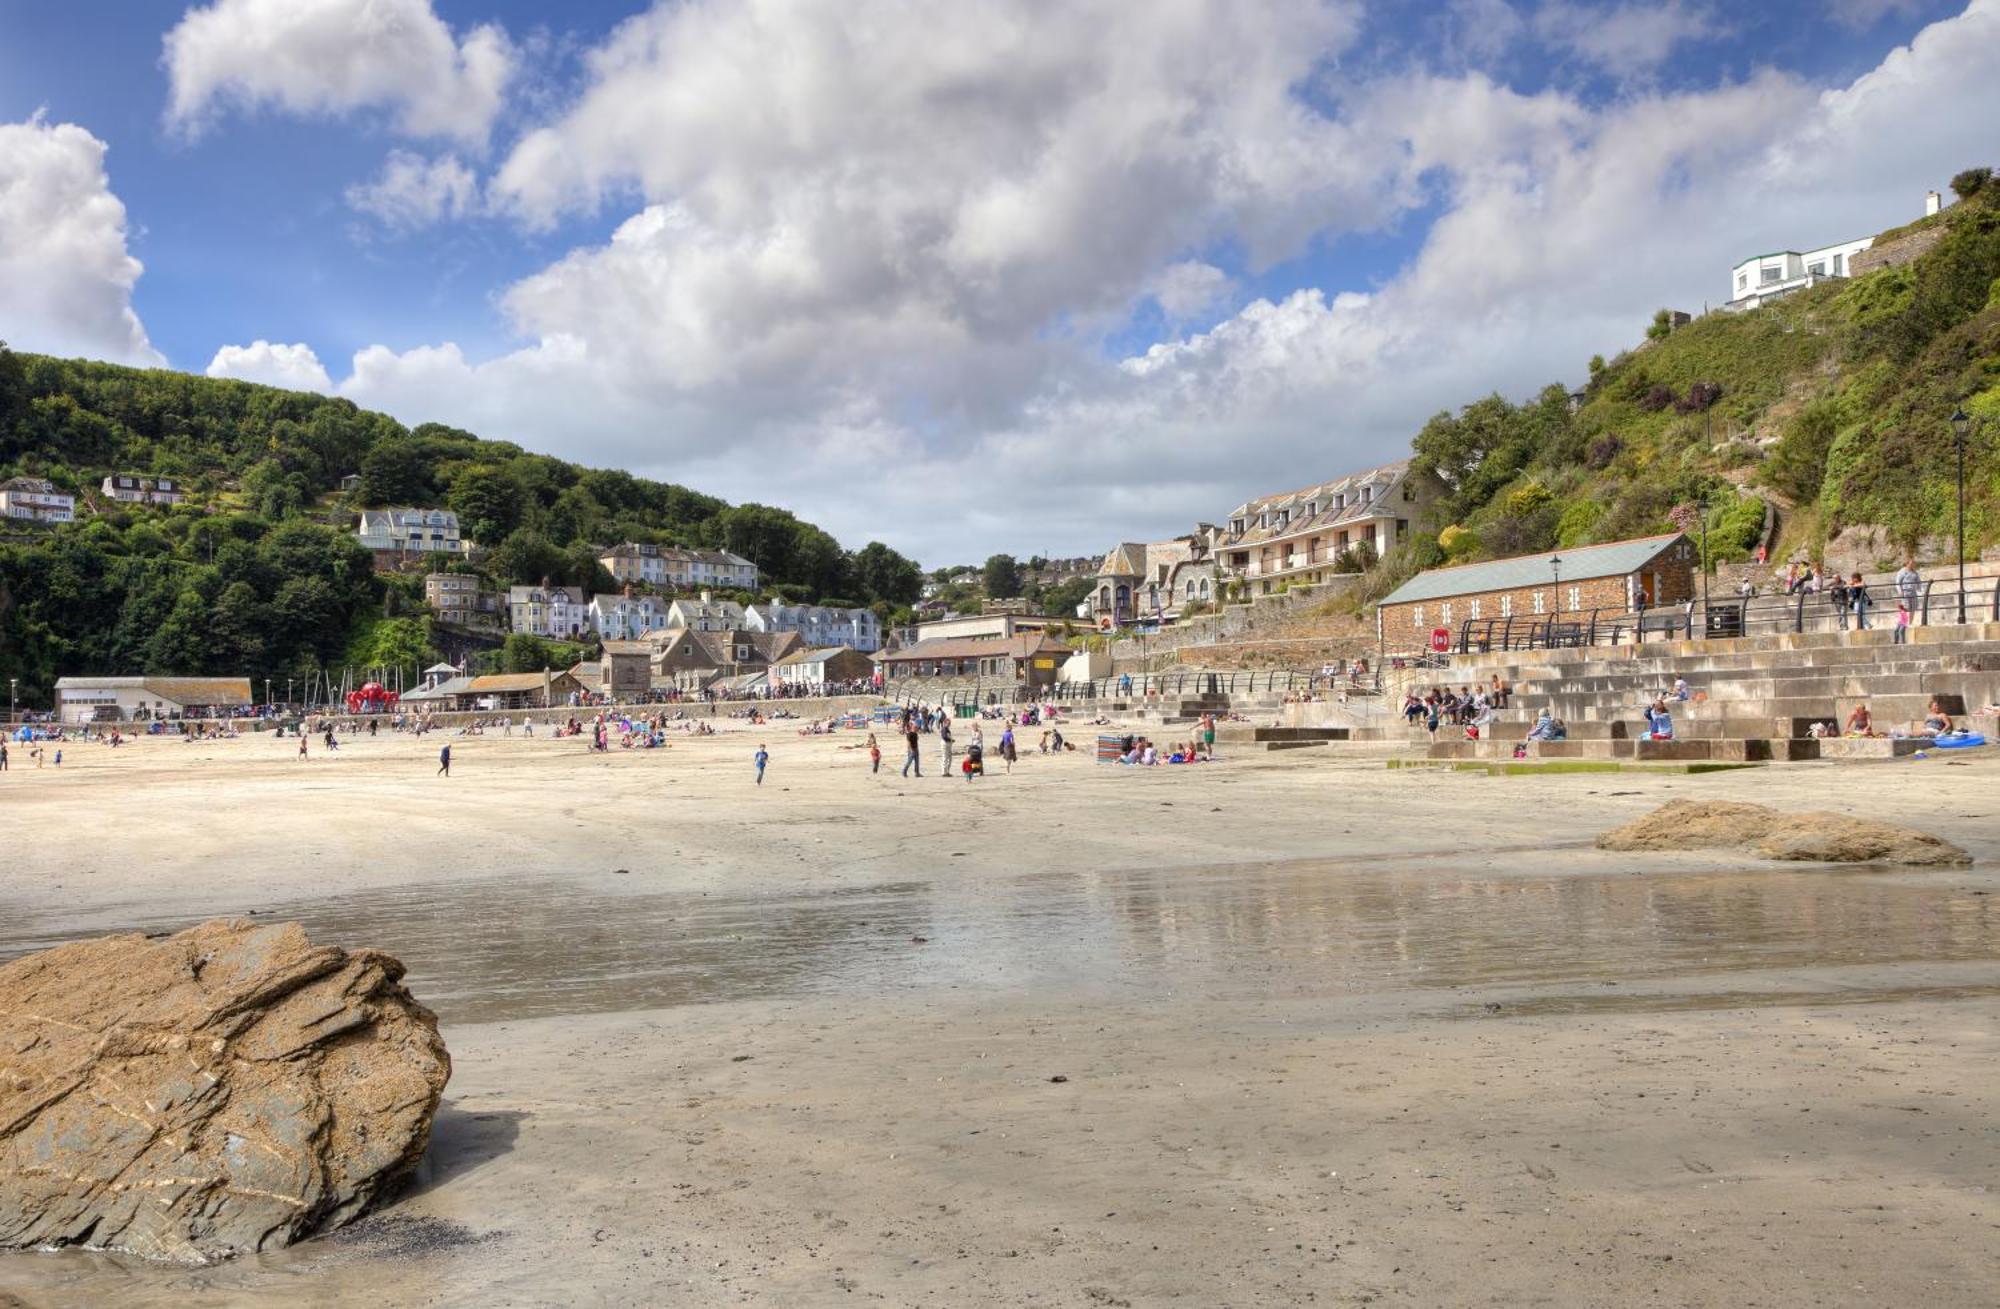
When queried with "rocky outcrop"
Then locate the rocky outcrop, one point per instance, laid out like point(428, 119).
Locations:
point(227, 1089)
point(1774, 834)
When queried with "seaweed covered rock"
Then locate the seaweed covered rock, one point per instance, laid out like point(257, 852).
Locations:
point(1774, 834)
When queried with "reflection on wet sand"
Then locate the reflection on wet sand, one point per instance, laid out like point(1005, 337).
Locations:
point(513, 949)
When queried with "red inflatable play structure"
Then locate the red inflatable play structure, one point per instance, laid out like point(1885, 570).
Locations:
point(371, 699)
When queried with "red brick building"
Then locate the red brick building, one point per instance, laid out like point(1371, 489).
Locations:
point(1608, 578)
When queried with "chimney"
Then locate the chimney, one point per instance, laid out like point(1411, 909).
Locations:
point(1932, 203)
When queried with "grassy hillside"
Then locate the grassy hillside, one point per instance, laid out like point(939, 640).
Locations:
point(261, 574)
point(1831, 403)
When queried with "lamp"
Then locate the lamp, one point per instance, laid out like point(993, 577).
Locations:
point(1556, 571)
point(1961, 429)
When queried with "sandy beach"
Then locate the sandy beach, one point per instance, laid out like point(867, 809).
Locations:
point(1279, 1030)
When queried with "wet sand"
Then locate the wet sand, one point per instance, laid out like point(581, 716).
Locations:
point(1324, 1033)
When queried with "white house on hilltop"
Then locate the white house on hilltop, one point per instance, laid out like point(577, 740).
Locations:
point(417, 531)
point(36, 498)
point(1765, 277)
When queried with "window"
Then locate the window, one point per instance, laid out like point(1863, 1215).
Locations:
point(1474, 607)
point(1417, 616)
point(1816, 270)
point(1742, 281)
point(1444, 613)
point(1506, 606)
point(1770, 273)
point(1838, 260)
point(1537, 598)
point(1575, 598)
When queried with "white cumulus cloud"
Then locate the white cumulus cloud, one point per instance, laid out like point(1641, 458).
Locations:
point(1626, 39)
point(412, 192)
point(272, 363)
point(331, 57)
point(66, 277)
point(869, 268)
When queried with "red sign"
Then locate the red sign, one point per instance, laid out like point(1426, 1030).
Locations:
point(1441, 639)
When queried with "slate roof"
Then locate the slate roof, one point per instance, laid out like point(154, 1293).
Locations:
point(1614, 559)
point(1383, 479)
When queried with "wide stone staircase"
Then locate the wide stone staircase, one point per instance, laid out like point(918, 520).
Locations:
point(1754, 699)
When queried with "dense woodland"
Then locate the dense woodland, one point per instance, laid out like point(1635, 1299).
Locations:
point(261, 574)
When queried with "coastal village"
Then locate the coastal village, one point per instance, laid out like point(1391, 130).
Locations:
point(639, 853)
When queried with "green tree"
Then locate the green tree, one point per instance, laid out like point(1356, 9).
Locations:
point(488, 502)
point(525, 558)
point(395, 473)
point(180, 644)
point(882, 574)
point(1001, 576)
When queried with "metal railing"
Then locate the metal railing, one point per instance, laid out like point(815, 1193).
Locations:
point(1934, 603)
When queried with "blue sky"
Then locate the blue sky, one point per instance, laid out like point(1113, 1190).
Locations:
point(1055, 274)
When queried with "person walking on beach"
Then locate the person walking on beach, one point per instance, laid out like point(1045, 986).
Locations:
point(912, 759)
point(944, 740)
point(763, 758)
point(874, 754)
point(303, 738)
point(1007, 755)
point(444, 760)
point(3, 754)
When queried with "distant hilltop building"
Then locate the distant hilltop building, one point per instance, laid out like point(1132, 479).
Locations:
point(35, 498)
point(129, 488)
point(1298, 537)
point(1762, 278)
point(411, 531)
point(676, 566)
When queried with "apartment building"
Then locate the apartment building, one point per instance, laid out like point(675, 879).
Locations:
point(130, 488)
point(37, 499)
point(679, 567)
point(1298, 537)
point(821, 626)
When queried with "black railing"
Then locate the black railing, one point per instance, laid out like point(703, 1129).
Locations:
point(1931, 603)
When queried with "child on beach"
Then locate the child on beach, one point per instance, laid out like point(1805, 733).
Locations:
point(444, 760)
point(763, 758)
point(874, 754)
point(1902, 622)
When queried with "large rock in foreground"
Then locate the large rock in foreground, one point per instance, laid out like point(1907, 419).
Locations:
point(1775, 834)
point(231, 1088)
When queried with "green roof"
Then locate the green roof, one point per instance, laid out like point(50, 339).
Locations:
point(1616, 559)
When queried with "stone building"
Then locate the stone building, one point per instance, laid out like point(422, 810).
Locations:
point(461, 599)
point(1606, 578)
point(1153, 581)
point(626, 670)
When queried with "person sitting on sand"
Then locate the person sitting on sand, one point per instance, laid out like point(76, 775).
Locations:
point(1860, 722)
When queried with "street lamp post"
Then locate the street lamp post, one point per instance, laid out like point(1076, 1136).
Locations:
point(1556, 571)
point(1961, 428)
point(12, 713)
